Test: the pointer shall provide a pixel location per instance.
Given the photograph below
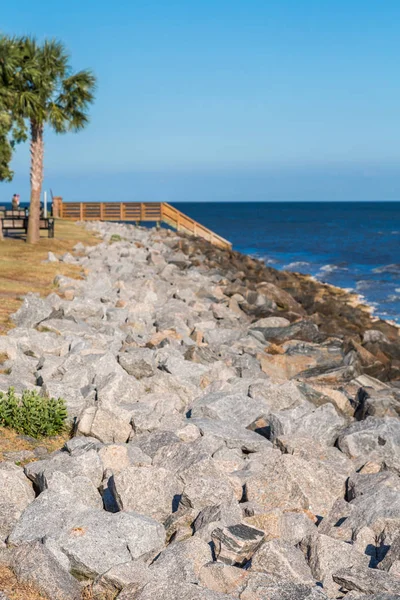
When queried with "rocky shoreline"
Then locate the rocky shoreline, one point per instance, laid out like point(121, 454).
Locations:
point(236, 431)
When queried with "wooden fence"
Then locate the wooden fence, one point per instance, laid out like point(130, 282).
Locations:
point(139, 212)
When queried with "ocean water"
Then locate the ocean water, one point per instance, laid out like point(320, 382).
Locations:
point(354, 245)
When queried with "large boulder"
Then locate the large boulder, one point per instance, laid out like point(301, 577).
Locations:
point(16, 493)
point(291, 483)
point(33, 564)
point(87, 464)
point(148, 490)
point(94, 541)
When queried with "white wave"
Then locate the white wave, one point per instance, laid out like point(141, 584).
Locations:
point(392, 298)
point(297, 265)
point(327, 269)
point(393, 268)
point(364, 284)
point(265, 258)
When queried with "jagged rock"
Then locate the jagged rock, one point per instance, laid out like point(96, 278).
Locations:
point(263, 587)
point(391, 561)
point(150, 444)
point(323, 424)
point(288, 526)
point(172, 591)
point(232, 435)
point(148, 490)
point(303, 330)
point(291, 483)
point(310, 449)
point(226, 579)
point(181, 561)
point(367, 581)
point(224, 514)
point(277, 397)
point(282, 560)
point(95, 541)
point(87, 464)
point(45, 516)
point(200, 492)
point(34, 564)
point(133, 575)
point(269, 322)
point(139, 362)
point(80, 486)
point(236, 544)
point(117, 389)
point(227, 407)
point(326, 556)
point(33, 310)
point(374, 438)
point(382, 403)
point(15, 495)
point(103, 425)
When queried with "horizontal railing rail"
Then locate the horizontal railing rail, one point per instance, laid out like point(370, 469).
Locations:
point(158, 212)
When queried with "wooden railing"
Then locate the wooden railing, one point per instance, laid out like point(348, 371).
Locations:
point(157, 212)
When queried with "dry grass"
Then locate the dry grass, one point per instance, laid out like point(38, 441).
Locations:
point(88, 594)
point(10, 441)
point(17, 591)
point(24, 591)
point(22, 269)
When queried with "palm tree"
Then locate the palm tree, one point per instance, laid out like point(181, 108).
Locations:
point(38, 86)
point(11, 128)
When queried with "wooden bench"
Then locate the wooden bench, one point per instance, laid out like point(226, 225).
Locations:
point(7, 212)
point(21, 224)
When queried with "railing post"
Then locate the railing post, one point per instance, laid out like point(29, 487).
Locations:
point(57, 206)
point(101, 211)
point(142, 211)
point(121, 211)
point(81, 211)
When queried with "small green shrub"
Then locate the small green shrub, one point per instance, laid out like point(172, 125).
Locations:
point(115, 238)
point(32, 414)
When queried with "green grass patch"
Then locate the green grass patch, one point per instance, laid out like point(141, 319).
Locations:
point(116, 238)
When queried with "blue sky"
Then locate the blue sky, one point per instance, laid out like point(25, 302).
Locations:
point(225, 99)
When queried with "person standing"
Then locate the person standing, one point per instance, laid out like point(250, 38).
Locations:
point(15, 202)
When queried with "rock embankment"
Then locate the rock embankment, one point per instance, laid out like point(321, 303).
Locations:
point(237, 431)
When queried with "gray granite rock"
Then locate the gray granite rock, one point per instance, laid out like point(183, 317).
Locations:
point(292, 483)
point(236, 544)
point(33, 310)
point(367, 581)
point(16, 493)
point(95, 541)
point(138, 362)
point(172, 591)
point(282, 560)
point(181, 561)
point(229, 408)
point(322, 424)
point(148, 490)
point(87, 464)
point(326, 556)
point(34, 564)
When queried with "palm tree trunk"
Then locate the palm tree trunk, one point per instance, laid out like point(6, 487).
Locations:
point(37, 150)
